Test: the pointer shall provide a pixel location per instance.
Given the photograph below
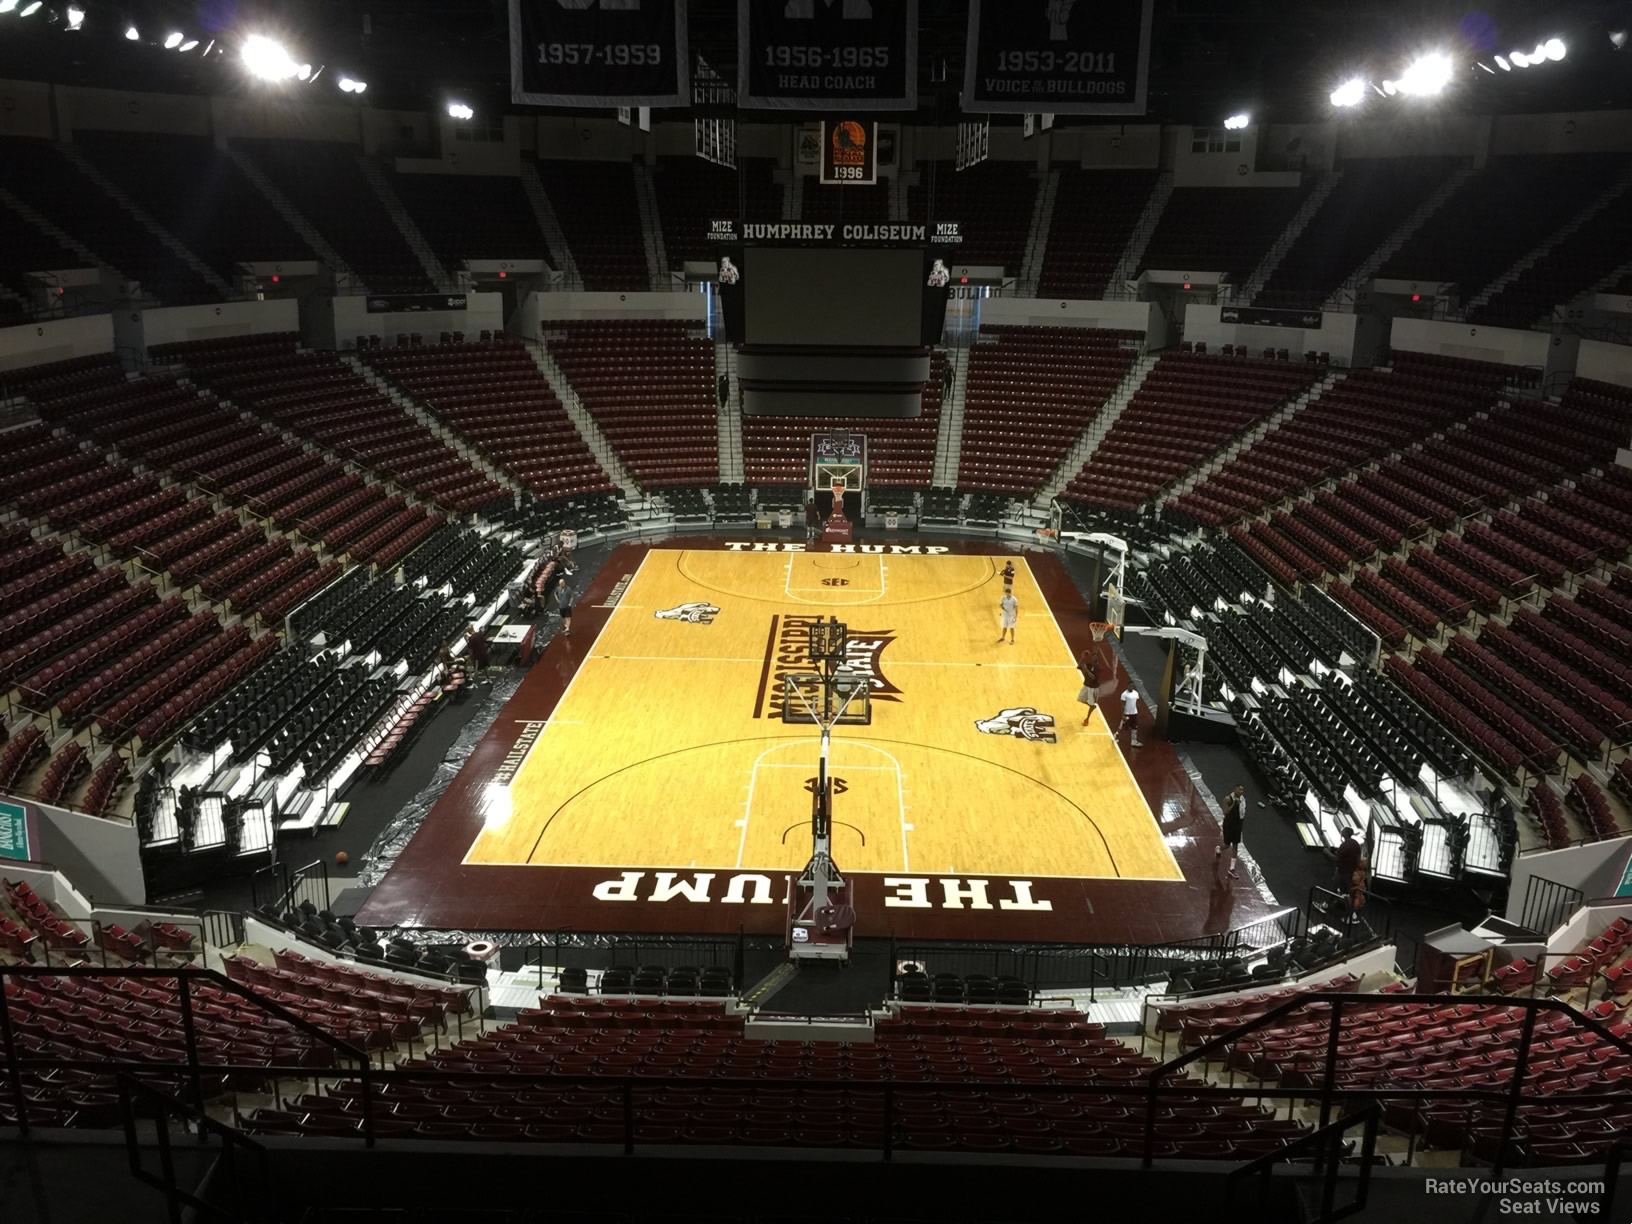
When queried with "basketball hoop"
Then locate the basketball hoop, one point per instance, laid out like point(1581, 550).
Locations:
point(1099, 629)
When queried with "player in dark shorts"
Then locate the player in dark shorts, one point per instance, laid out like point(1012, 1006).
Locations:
point(1088, 694)
point(1235, 815)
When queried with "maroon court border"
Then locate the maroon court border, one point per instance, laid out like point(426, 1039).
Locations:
point(429, 886)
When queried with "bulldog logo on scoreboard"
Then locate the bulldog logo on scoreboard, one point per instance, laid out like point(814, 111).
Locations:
point(1022, 722)
point(690, 613)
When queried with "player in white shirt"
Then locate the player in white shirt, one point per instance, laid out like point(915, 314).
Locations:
point(1010, 607)
point(1130, 715)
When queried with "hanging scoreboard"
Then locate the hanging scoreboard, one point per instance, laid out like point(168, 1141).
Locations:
point(1066, 57)
point(827, 54)
point(611, 54)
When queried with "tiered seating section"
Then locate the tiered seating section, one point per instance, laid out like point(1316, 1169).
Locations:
point(595, 204)
point(650, 386)
point(324, 182)
point(849, 204)
point(1368, 414)
point(1095, 212)
point(1031, 393)
point(1571, 267)
point(992, 201)
point(472, 216)
point(493, 395)
point(48, 182)
point(32, 932)
point(1371, 201)
point(1220, 229)
point(168, 175)
point(692, 192)
point(1497, 215)
point(24, 249)
point(320, 397)
point(900, 453)
point(1189, 406)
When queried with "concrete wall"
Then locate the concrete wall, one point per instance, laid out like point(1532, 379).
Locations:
point(543, 307)
point(25, 109)
point(102, 857)
point(263, 116)
point(1046, 312)
point(1335, 335)
point(111, 110)
point(337, 322)
point(1504, 344)
point(1594, 868)
point(141, 329)
point(32, 344)
point(1610, 363)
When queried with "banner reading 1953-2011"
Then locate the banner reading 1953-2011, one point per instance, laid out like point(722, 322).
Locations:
point(599, 53)
point(1063, 57)
point(827, 54)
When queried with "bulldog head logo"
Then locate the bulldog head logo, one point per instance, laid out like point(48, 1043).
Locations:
point(691, 613)
point(1022, 722)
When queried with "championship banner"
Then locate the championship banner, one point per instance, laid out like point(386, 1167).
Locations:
point(610, 53)
point(819, 54)
point(849, 152)
point(1265, 316)
point(1068, 57)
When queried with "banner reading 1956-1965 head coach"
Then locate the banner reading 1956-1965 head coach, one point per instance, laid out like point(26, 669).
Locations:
point(1062, 57)
point(827, 54)
point(599, 53)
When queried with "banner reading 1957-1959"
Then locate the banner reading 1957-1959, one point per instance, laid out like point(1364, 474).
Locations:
point(822, 54)
point(1063, 57)
point(599, 53)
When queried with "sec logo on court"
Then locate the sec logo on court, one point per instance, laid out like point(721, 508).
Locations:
point(835, 582)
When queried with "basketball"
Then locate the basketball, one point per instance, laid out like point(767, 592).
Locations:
point(341, 857)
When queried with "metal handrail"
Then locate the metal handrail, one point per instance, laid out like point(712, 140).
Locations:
point(1338, 1002)
point(1320, 1140)
point(131, 1090)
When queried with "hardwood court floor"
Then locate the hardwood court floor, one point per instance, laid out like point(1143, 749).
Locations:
point(667, 749)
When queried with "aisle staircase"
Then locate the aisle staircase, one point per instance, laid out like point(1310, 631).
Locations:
point(1042, 220)
point(651, 228)
point(1134, 253)
point(296, 219)
point(949, 435)
point(1592, 208)
point(1273, 421)
point(599, 444)
point(555, 238)
point(1083, 448)
point(147, 221)
point(728, 421)
point(439, 276)
point(1294, 230)
point(1401, 235)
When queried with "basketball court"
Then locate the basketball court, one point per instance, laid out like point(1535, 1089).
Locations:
point(668, 749)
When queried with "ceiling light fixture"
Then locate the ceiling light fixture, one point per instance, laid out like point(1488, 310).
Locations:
point(1351, 93)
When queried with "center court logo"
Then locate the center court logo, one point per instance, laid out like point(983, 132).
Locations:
point(787, 650)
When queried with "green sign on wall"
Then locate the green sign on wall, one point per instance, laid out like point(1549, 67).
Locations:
point(14, 831)
point(1624, 888)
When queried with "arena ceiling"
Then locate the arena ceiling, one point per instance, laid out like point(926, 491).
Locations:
point(1278, 59)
